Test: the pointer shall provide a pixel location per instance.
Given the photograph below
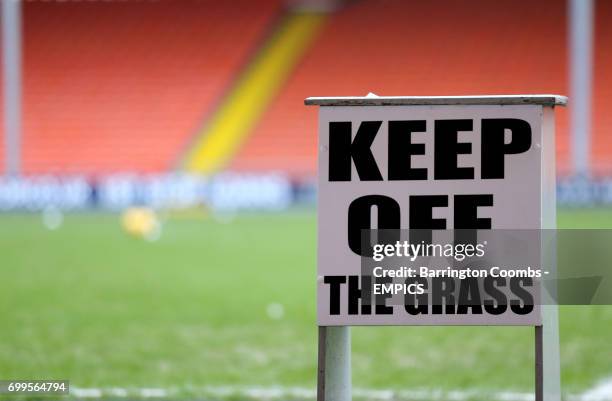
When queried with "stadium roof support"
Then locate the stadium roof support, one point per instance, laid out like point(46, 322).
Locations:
point(11, 55)
point(581, 74)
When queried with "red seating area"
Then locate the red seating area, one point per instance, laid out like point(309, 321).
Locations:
point(601, 147)
point(123, 86)
point(442, 47)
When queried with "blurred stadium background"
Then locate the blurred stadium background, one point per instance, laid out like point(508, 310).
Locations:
point(182, 123)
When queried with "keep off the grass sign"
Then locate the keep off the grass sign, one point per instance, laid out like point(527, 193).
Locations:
point(428, 163)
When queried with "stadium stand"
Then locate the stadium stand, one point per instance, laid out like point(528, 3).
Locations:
point(397, 47)
point(123, 86)
point(252, 92)
point(601, 147)
point(94, 83)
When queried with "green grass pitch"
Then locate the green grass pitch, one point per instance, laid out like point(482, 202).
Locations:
point(88, 303)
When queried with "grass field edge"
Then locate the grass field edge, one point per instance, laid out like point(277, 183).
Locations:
point(601, 392)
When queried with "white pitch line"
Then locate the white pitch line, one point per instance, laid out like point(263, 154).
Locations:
point(87, 392)
point(601, 392)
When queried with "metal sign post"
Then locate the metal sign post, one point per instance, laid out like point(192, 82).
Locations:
point(334, 372)
point(482, 163)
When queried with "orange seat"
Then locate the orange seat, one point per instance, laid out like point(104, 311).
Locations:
point(123, 86)
point(400, 47)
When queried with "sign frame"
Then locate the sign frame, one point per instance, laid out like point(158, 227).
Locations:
point(334, 377)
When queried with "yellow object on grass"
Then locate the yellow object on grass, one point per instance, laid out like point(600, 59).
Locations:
point(141, 222)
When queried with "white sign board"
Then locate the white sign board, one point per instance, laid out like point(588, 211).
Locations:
point(416, 163)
